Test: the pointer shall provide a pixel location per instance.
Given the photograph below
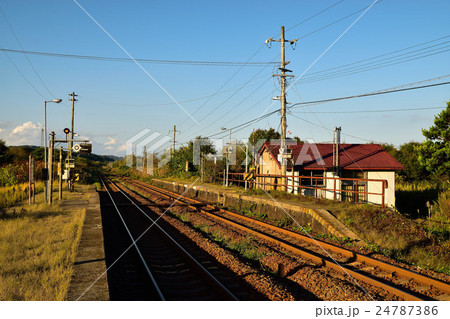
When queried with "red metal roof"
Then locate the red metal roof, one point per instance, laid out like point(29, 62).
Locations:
point(351, 156)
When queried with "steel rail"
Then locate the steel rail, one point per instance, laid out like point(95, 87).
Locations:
point(213, 280)
point(158, 290)
point(393, 269)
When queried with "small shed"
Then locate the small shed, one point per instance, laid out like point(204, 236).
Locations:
point(349, 172)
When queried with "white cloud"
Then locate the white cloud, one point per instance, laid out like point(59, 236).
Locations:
point(28, 133)
point(111, 141)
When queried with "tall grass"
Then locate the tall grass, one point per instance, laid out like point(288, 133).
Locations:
point(411, 198)
point(12, 194)
point(37, 251)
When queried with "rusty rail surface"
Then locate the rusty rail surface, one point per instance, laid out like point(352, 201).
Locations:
point(343, 268)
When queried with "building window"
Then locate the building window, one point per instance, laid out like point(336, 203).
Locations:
point(312, 181)
point(354, 190)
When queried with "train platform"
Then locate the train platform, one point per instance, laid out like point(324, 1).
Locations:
point(89, 281)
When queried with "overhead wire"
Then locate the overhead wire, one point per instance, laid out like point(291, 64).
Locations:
point(380, 92)
point(368, 94)
point(24, 77)
point(312, 77)
point(336, 21)
point(377, 64)
point(379, 56)
point(154, 61)
point(315, 15)
point(380, 111)
point(225, 83)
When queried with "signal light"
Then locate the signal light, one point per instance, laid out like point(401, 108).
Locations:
point(66, 130)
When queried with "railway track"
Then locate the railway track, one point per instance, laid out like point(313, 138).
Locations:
point(398, 281)
point(154, 262)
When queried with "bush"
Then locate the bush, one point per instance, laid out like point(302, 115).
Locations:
point(12, 174)
point(442, 206)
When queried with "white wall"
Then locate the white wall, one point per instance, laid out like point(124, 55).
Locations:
point(376, 187)
point(329, 184)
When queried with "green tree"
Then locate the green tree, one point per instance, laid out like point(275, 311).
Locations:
point(298, 140)
point(185, 154)
point(266, 135)
point(409, 157)
point(38, 153)
point(434, 153)
point(390, 149)
point(3, 152)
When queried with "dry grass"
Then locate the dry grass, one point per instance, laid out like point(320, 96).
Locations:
point(37, 249)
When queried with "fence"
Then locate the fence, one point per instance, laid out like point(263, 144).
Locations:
point(336, 188)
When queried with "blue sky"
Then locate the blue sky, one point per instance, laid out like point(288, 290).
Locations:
point(118, 99)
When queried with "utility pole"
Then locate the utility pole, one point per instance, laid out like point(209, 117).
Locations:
point(202, 166)
point(283, 75)
point(73, 99)
point(229, 147)
point(173, 139)
point(50, 167)
point(336, 147)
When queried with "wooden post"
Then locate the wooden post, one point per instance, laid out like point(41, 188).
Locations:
point(50, 167)
point(29, 180)
point(60, 171)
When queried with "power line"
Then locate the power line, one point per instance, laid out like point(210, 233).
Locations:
point(318, 75)
point(336, 21)
point(369, 94)
point(226, 82)
point(226, 100)
point(315, 15)
point(377, 64)
point(382, 55)
point(154, 61)
point(242, 126)
point(23, 76)
point(380, 111)
point(167, 103)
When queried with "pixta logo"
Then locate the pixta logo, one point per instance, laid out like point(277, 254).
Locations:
point(142, 147)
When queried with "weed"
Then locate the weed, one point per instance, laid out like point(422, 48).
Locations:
point(184, 217)
point(261, 216)
point(348, 221)
point(246, 248)
point(304, 229)
point(283, 222)
point(373, 247)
